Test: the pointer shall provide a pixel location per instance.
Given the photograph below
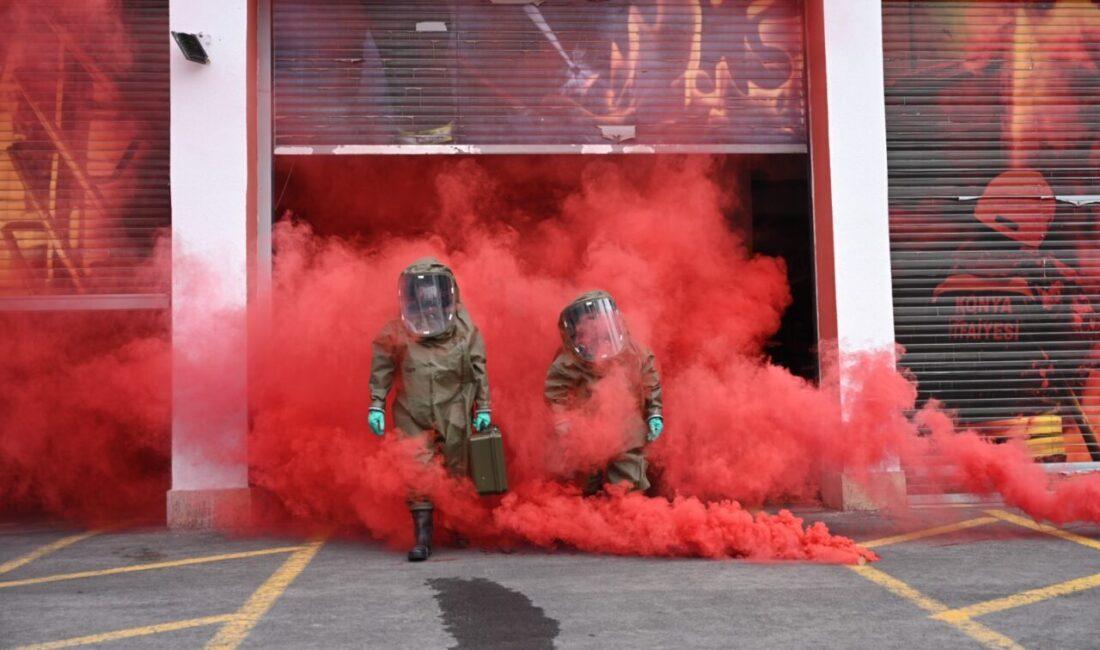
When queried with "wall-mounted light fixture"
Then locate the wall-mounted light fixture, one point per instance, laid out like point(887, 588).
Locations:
point(191, 47)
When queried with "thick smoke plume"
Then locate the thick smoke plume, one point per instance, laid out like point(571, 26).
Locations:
point(84, 415)
point(524, 236)
point(653, 232)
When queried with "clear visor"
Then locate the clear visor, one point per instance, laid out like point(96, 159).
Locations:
point(427, 303)
point(595, 329)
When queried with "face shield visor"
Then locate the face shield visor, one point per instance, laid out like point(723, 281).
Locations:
point(594, 329)
point(427, 303)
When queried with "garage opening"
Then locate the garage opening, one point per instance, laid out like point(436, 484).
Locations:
point(371, 199)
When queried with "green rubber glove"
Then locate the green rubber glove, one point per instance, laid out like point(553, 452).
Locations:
point(482, 421)
point(377, 421)
point(656, 426)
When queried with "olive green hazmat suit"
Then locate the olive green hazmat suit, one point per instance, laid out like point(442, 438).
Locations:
point(439, 382)
point(571, 382)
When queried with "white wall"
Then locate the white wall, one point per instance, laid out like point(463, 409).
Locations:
point(857, 166)
point(210, 188)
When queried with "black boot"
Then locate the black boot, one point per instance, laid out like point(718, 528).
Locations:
point(422, 527)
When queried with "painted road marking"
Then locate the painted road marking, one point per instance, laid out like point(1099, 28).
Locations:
point(42, 551)
point(1028, 597)
point(929, 532)
point(963, 618)
point(900, 588)
point(1049, 530)
point(150, 567)
point(234, 631)
point(973, 629)
point(130, 633)
point(985, 636)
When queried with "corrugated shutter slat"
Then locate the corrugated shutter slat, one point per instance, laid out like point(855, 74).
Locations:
point(84, 138)
point(993, 113)
point(363, 74)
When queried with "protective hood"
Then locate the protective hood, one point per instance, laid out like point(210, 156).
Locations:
point(428, 297)
point(592, 328)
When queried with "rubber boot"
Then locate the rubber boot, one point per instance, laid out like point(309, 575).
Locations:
point(422, 527)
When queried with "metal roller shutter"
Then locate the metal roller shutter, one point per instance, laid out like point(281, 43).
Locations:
point(993, 112)
point(354, 76)
point(83, 151)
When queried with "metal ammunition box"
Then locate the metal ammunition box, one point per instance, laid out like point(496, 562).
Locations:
point(487, 467)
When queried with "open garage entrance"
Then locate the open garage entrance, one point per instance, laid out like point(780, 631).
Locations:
point(371, 199)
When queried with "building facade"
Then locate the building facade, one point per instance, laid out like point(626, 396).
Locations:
point(951, 153)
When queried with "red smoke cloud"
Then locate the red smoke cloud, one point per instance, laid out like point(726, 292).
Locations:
point(525, 236)
point(654, 233)
point(84, 415)
point(1008, 470)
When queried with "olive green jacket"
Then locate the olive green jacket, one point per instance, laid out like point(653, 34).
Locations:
point(571, 381)
point(439, 381)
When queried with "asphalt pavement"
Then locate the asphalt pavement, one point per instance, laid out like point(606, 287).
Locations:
point(960, 577)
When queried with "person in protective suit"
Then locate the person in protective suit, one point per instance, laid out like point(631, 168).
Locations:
point(595, 343)
point(440, 356)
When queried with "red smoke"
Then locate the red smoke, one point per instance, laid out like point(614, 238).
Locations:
point(654, 233)
point(1008, 470)
point(524, 236)
point(84, 415)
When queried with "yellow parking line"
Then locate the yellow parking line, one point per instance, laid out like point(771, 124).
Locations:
point(129, 633)
point(236, 629)
point(149, 567)
point(929, 532)
point(44, 550)
point(1028, 597)
point(985, 636)
point(973, 629)
point(899, 588)
point(1049, 530)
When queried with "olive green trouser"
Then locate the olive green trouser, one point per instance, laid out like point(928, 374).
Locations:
point(452, 443)
point(630, 467)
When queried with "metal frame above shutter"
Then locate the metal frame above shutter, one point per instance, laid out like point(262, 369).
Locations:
point(561, 76)
point(993, 122)
point(84, 142)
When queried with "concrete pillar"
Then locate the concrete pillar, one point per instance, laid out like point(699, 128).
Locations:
point(213, 197)
point(851, 213)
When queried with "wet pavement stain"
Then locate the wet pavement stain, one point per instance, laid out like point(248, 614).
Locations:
point(142, 554)
point(480, 613)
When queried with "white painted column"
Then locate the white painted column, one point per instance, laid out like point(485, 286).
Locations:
point(852, 227)
point(212, 184)
point(857, 168)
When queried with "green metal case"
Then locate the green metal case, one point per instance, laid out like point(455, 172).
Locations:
point(487, 468)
